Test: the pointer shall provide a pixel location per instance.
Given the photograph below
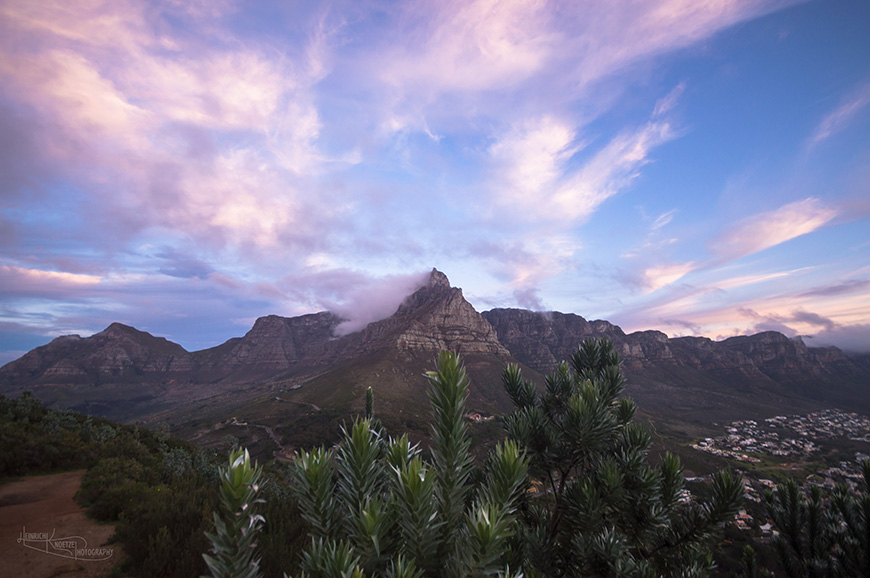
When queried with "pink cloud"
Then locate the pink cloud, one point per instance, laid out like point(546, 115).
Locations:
point(771, 228)
point(469, 46)
point(611, 36)
point(719, 309)
point(483, 45)
point(532, 180)
point(22, 281)
point(839, 118)
point(659, 276)
point(142, 127)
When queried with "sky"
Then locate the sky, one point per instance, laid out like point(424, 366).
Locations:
point(696, 167)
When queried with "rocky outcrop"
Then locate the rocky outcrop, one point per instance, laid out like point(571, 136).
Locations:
point(273, 344)
point(435, 317)
point(541, 340)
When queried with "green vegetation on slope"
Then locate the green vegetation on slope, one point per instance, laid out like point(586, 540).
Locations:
point(159, 492)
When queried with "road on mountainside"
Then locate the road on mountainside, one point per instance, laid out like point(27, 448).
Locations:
point(283, 453)
point(44, 533)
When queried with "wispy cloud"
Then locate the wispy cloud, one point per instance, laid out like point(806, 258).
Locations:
point(723, 308)
point(840, 118)
point(768, 229)
point(536, 183)
point(20, 281)
point(611, 170)
point(742, 239)
point(373, 299)
point(523, 263)
point(449, 59)
point(840, 288)
point(663, 220)
point(659, 276)
point(469, 46)
point(530, 161)
point(669, 101)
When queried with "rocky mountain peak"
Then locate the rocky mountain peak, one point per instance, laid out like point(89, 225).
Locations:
point(118, 330)
point(435, 317)
point(438, 279)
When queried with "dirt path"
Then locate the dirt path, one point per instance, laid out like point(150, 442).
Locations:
point(45, 534)
point(305, 403)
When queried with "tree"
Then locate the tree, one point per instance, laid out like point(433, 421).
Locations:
point(378, 508)
point(602, 509)
point(821, 536)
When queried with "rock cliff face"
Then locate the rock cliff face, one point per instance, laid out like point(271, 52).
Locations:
point(541, 340)
point(438, 317)
point(273, 344)
point(763, 361)
point(435, 317)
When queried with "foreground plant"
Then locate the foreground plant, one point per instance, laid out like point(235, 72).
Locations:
point(237, 524)
point(822, 535)
point(603, 510)
point(378, 508)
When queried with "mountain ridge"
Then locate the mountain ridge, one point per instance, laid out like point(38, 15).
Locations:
point(121, 363)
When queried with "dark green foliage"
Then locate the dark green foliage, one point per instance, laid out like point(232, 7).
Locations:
point(822, 535)
point(35, 440)
point(370, 403)
point(376, 507)
point(749, 567)
point(162, 528)
point(285, 534)
point(603, 511)
point(237, 525)
point(159, 502)
point(158, 491)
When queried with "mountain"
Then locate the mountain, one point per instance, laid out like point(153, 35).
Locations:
point(117, 352)
point(300, 377)
point(778, 372)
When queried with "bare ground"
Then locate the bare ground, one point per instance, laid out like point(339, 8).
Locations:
point(41, 510)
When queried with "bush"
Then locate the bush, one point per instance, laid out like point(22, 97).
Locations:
point(602, 510)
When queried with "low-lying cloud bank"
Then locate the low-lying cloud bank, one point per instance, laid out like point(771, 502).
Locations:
point(374, 299)
point(849, 338)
